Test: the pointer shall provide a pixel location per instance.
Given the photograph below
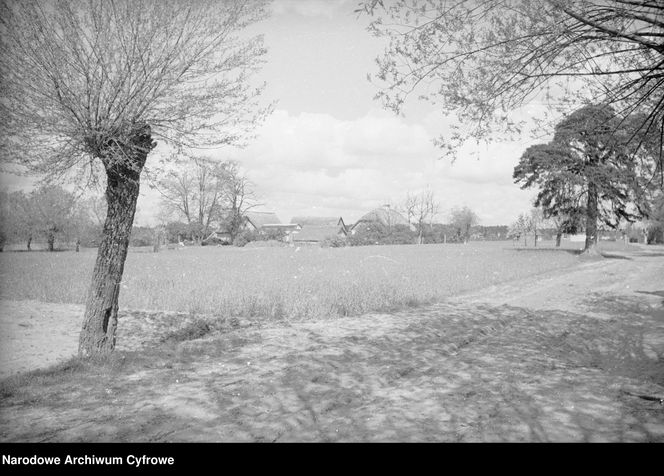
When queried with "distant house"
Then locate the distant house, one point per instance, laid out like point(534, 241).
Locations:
point(268, 222)
point(386, 216)
point(316, 234)
point(320, 221)
point(282, 230)
point(257, 220)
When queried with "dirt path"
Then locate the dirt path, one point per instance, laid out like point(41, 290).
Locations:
point(559, 357)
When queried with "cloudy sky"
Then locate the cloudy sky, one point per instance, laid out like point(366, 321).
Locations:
point(329, 149)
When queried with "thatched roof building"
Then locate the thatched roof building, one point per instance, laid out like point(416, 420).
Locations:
point(257, 220)
point(384, 215)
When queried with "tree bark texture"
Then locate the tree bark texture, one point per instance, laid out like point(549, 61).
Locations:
point(101, 308)
point(591, 219)
point(51, 242)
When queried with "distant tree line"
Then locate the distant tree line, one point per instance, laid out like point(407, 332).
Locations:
point(421, 210)
point(48, 214)
point(202, 196)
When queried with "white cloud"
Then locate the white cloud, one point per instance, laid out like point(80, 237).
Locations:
point(315, 164)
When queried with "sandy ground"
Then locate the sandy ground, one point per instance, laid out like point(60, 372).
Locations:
point(564, 356)
point(35, 335)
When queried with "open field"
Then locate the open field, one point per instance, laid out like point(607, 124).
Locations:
point(277, 283)
point(574, 354)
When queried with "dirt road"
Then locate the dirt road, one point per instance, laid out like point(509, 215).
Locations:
point(575, 355)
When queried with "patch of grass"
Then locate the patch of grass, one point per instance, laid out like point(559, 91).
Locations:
point(280, 283)
point(31, 385)
point(194, 330)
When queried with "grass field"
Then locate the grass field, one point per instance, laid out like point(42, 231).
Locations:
point(573, 355)
point(276, 283)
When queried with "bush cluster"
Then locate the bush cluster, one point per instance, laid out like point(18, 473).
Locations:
point(378, 234)
point(248, 236)
point(334, 242)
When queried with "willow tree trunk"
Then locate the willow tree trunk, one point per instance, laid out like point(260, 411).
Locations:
point(558, 238)
point(51, 242)
point(591, 220)
point(101, 308)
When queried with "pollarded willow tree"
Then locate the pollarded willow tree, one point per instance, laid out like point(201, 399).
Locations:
point(482, 59)
point(95, 83)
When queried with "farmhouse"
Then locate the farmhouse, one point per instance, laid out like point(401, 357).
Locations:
point(319, 221)
point(316, 234)
point(268, 222)
point(257, 220)
point(314, 230)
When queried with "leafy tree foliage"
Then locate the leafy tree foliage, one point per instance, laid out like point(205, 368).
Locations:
point(590, 167)
point(207, 195)
point(462, 220)
point(177, 231)
point(57, 214)
point(377, 233)
point(19, 218)
point(193, 193)
point(480, 60)
point(50, 213)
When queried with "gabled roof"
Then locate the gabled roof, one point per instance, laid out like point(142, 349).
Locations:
point(316, 221)
point(258, 219)
point(318, 233)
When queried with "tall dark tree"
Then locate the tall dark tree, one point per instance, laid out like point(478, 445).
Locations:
point(89, 86)
point(481, 59)
point(591, 167)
